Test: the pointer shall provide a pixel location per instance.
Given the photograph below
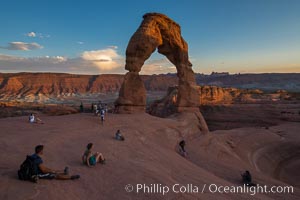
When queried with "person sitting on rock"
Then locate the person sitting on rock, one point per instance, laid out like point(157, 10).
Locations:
point(91, 159)
point(182, 150)
point(33, 119)
point(44, 172)
point(119, 136)
point(247, 179)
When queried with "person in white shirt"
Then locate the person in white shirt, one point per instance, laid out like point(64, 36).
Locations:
point(33, 119)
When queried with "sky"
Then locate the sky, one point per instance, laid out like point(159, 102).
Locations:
point(91, 36)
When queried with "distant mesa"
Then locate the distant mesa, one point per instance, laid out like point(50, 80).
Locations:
point(209, 95)
point(54, 87)
point(218, 74)
point(157, 31)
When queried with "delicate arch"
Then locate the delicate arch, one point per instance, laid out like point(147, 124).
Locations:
point(156, 31)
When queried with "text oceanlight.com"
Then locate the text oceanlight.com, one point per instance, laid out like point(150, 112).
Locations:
point(207, 188)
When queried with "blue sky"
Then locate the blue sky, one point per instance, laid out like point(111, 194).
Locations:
point(239, 36)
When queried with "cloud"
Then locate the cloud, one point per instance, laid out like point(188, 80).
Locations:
point(22, 46)
point(43, 35)
point(79, 42)
point(105, 59)
point(50, 59)
point(43, 59)
point(90, 62)
point(34, 34)
point(31, 34)
point(9, 63)
point(159, 66)
point(112, 47)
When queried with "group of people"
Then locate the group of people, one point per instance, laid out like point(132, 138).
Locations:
point(97, 107)
point(100, 109)
point(33, 168)
point(89, 157)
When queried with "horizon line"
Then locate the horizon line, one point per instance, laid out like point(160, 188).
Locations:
point(212, 73)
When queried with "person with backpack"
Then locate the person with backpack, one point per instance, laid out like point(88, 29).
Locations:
point(91, 159)
point(33, 168)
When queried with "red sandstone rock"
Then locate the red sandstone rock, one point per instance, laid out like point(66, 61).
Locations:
point(209, 95)
point(157, 31)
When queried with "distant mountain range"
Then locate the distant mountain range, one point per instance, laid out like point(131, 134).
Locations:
point(44, 85)
point(266, 81)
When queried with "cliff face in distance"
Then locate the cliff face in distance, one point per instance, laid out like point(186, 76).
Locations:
point(266, 81)
point(219, 95)
point(214, 96)
point(41, 87)
point(209, 95)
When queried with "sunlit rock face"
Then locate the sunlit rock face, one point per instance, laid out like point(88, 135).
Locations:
point(157, 31)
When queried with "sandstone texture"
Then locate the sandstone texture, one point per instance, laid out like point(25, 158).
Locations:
point(211, 95)
point(157, 31)
point(148, 155)
point(132, 95)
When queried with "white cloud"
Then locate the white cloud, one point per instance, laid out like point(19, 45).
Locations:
point(78, 65)
point(43, 59)
point(79, 42)
point(160, 66)
point(60, 58)
point(49, 59)
point(90, 62)
point(112, 47)
point(34, 34)
point(22, 46)
point(9, 63)
point(43, 35)
point(31, 34)
point(105, 59)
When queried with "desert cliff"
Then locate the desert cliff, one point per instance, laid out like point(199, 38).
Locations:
point(41, 87)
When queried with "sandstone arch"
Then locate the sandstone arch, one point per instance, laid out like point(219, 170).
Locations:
point(157, 31)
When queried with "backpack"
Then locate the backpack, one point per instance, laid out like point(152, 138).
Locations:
point(28, 170)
